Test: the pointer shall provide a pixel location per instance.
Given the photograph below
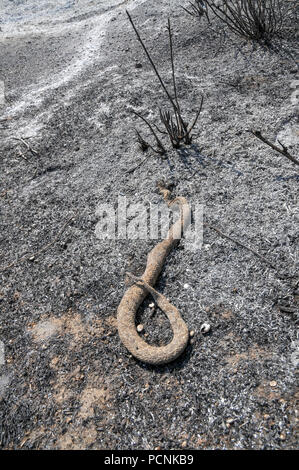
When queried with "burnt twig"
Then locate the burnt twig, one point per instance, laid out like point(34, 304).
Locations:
point(131, 170)
point(143, 144)
point(161, 150)
point(151, 61)
point(284, 150)
point(28, 146)
point(224, 235)
point(253, 19)
point(176, 127)
point(197, 9)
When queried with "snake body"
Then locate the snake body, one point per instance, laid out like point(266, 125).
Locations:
point(143, 285)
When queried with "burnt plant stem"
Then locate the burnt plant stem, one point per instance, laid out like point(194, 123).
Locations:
point(161, 148)
point(196, 118)
point(197, 9)
point(172, 68)
point(224, 235)
point(152, 62)
point(176, 127)
point(254, 19)
point(284, 150)
point(142, 143)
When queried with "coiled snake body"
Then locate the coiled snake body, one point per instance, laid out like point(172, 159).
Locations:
point(143, 285)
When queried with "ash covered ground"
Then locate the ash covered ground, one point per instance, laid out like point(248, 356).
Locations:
point(72, 72)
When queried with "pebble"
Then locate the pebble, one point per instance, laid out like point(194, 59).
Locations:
point(152, 305)
point(192, 333)
point(286, 309)
point(229, 421)
point(186, 286)
point(139, 328)
point(242, 153)
point(205, 328)
point(273, 383)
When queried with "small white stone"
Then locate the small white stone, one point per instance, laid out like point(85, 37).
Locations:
point(205, 328)
point(191, 334)
point(186, 286)
point(152, 305)
point(139, 328)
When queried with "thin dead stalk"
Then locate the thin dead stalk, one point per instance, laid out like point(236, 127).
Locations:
point(131, 170)
point(160, 150)
point(176, 127)
point(151, 61)
point(284, 150)
point(224, 235)
point(178, 111)
point(197, 9)
point(253, 19)
point(143, 144)
point(28, 146)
